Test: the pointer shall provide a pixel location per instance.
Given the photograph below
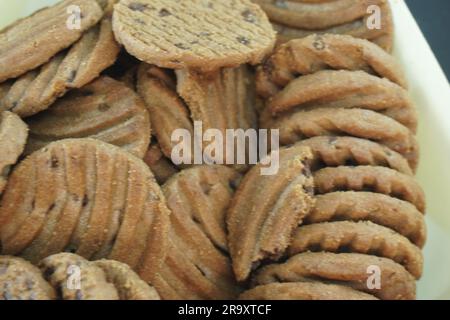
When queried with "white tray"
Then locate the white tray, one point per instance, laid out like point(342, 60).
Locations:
point(430, 90)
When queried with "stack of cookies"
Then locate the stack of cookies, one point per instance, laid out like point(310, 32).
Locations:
point(87, 170)
point(346, 99)
point(366, 19)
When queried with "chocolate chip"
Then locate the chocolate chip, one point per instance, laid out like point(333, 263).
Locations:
point(49, 272)
point(318, 43)
point(243, 40)
point(85, 201)
point(280, 4)
point(103, 107)
point(181, 46)
point(53, 205)
point(164, 13)
point(249, 16)
point(136, 6)
point(72, 76)
point(55, 162)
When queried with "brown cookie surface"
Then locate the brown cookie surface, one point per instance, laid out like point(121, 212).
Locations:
point(349, 269)
point(197, 265)
point(359, 237)
point(73, 68)
point(13, 137)
point(398, 215)
point(32, 41)
point(87, 197)
point(206, 45)
point(20, 280)
point(377, 179)
point(304, 291)
point(366, 124)
point(105, 110)
point(267, 208)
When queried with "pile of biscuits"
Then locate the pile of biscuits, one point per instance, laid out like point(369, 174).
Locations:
point(87, 174)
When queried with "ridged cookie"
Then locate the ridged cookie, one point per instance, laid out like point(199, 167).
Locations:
point(366, 124)
point(349, 269)
point(358, 28)
point(304, 291)
point(59, 271)
point(20, 280)
point(197, 265)
point(381, 209)
point(13, 137)
point(346, 89)
point(367, 178)
point(127, 283)
point(87, 197)
point(30, 42)
point(105, 110)
point(267, 208)
point(168, 111)
point(161, 166)
point(73, 68)
point(335, 151)
point(320, 52)
point(196, 34)
point(359, 237)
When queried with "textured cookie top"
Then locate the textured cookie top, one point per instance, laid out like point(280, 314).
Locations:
point(32, 41)
point(200, 34)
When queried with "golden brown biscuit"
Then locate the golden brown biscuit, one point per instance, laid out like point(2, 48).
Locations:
point(13, 137)
point(295, 126)
point(304, 291)
point(20, 280)
point(105, 110)
point(377, 179)
point(349, 269)
point(88, 197)
point(381, 209)
point(150, 30)
point(30, 42)
point(83, 62)
point(359, 237)
point(267, 208)
point(333, 151)
point(197, 265)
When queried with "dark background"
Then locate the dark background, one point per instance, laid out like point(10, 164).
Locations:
point(433, 17)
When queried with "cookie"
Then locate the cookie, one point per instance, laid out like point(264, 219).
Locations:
point(30, 42)
point(93, 284)
point(20, 280)
point(376, 179)
point(168, 111)
point(349, 269)
point(332, 151)
point(217, 34)
point(359, 237)
point(304, 291)
point(395, 214)
point(86, 197)
point(221, 100)
point(346, 89)
point(197, 265)
point(358, 28)
point(320, 52)
point(13, 137)
point(267, 208)
point(161, 167)
point(312, 16)
point(105, 110)
point(73, 68)
point(299, 125)
point(127, 283)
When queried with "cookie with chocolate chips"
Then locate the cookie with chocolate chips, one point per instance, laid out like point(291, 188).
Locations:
point(198, 34)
